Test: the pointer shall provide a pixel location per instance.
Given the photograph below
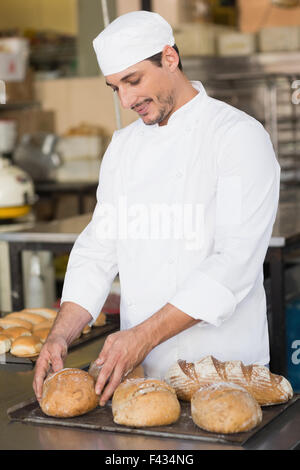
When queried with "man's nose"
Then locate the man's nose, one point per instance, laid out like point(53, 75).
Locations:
point(127, 98)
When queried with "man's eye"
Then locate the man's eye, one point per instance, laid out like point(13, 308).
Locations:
point(135, 83)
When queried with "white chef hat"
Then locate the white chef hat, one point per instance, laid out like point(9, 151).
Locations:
point(131, 38)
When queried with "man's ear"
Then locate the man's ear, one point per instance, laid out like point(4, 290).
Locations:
point(170, 58)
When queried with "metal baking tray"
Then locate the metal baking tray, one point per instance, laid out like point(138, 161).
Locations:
point(112, 323)
point(101, 419)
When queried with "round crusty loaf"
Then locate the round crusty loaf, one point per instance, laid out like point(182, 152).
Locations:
point(145, 402)
point(47, 313)
point(67, 393)
point(225, 408)
point(15, 331)
point(26, 346)
point(33, 318)
point(5, 344)
point(7, 322)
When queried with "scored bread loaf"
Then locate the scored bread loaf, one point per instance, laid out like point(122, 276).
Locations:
point(67, 393)
point(225, 408)
point(26, 346)
point(145, 402)
point(265, 387)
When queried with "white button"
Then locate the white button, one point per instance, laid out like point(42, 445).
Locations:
point(130, 303)
point(179, 174)
point(171, 261)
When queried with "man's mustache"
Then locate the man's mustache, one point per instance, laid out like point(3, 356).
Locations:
point(148, 100)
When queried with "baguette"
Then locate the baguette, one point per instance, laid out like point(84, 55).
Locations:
point(265, 387)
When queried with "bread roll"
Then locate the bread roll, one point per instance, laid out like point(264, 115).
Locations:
point(44, 324)
point(26, 346)
point(5, 344)
point(42, 333)
point(16, 331)
point(86, 329)
point(10, 322)
point(32, 317)
point(145, 402)
point(101, 320)
point(265, 387)
point(67, 393)
point(47, 313)
point(225, 408)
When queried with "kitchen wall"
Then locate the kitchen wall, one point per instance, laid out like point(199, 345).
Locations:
point(79, 100)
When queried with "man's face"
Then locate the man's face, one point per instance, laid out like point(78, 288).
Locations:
point(146, 89)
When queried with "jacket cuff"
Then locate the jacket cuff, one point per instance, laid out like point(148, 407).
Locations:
point(205, 299)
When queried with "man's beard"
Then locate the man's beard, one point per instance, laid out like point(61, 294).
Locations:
point(167, 105)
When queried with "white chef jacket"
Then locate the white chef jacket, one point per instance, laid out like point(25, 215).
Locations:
point(209, 155)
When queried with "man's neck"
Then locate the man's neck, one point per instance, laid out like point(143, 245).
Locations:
point(185, 93)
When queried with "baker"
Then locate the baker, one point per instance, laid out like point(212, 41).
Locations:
point(186, 202)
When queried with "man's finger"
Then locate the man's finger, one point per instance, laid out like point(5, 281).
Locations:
point(41, 370)
point(114, 381)
point(104, 375)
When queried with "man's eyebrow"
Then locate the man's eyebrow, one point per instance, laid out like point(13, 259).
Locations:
point(124, 79)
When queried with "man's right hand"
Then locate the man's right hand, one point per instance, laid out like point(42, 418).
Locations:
point(51, 356)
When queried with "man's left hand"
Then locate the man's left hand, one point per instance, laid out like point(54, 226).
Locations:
point(122, 351)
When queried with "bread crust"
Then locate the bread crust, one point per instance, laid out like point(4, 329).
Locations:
point(7, 322)
point(5, 343)
point(265, 387)
point(225, 408)
point(26, 346)
point(33, 318)
point(67, 393)
point(47, 313)
point(145, 402)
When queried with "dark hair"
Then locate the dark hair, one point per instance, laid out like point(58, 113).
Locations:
point(156, 59)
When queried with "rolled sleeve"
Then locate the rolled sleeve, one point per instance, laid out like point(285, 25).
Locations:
point(246, 204)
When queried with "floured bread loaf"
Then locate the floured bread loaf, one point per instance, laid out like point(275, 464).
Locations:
point(26, 346)
point(137, 372)
point(265, 387)
point(5, 344)
point(47, 313)
point(225, 408)
point(145, 402)
point(67, 393)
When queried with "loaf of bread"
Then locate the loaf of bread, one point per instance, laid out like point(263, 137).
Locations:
point(44, 324)
point(16, 331)
point(42, 333)
point(265, 387)
point(145, 402)
point(225, 408)
point(33, 318)
point(86, 330)
point(26, 346)
point(5, 343)
point(101, 320)
point(8, 322)
point(47, 313)
point(68, 393)
point(137, 372)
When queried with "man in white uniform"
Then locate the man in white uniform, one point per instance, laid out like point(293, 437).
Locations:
point(187, 199)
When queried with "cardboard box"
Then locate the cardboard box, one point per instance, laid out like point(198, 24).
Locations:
point(279, 38)
point(257, 14)
point(235, 43)
point(31, 120)
point(195, 39)
point(20, 92)
point(14, 54)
